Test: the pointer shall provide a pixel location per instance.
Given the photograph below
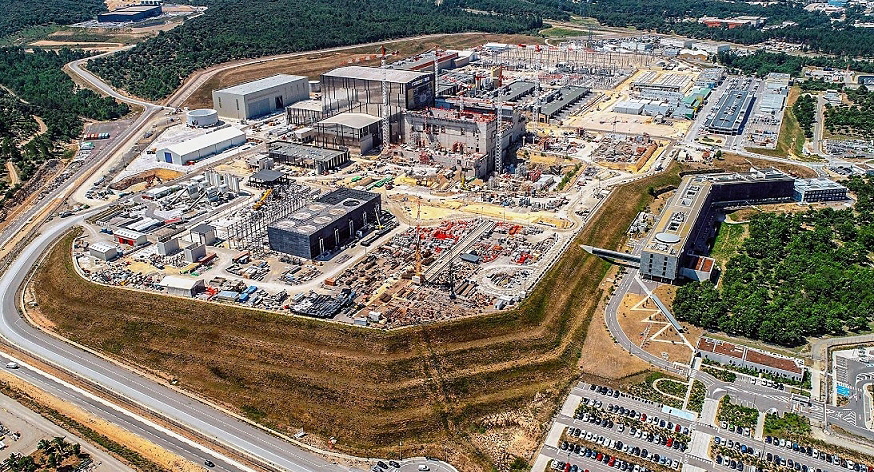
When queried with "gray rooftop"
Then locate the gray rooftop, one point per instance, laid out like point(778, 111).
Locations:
point(295, 150)
point(267, 175)
point(374, 73)
point(352, 120)
point(262, 84)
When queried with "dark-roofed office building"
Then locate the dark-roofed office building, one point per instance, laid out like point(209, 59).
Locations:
point(325, 224)
point(311, 157)
point(731, 112)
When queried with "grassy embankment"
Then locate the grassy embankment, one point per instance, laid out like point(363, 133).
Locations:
point(424, 386)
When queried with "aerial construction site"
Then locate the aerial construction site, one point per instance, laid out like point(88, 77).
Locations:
point(454, 176)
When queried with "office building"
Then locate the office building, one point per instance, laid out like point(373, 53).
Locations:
point(819, 190)
point(687, 225)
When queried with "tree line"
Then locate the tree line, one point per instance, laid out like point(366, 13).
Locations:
point(762, 63)
point(804, 110)
point(796, 275)
point(236, 30)
point(814, 31)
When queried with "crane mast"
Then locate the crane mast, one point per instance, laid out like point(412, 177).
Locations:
point(386, 129)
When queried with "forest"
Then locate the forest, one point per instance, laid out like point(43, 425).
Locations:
point(43, 89)
point(853, 120)
point(234, 30)
point(796, 275)
point(815, 31)
point(20, 14)
point(805, 112)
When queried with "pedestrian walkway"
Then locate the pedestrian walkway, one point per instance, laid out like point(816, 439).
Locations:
point(760, 426)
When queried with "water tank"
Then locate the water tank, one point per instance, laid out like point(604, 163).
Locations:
point(202, 118)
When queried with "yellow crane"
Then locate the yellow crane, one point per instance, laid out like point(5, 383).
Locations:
point(261, 201)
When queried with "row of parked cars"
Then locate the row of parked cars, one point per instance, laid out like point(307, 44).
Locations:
point(610, 461)
point(632, 415)
point(607, 391)
point(616, 444)
point(736, 429)
point(817, 454)
point(383, 467)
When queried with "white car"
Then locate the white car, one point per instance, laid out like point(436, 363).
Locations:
point(11, 365)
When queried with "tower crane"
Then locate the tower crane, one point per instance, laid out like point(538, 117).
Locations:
point(417, 275)
point(386, 129)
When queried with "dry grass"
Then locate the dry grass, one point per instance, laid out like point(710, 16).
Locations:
point(371, 389)
point(736, 163)
point(314, 65)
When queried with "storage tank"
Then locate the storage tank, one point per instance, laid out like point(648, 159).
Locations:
point(202, 118)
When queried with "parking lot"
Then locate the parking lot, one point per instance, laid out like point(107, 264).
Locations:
point(626, 432)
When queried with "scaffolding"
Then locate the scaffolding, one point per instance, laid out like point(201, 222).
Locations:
point(251, 227)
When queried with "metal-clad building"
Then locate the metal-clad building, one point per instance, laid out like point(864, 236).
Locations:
point(260, 97)
point(819, 190)
point(201, 147)
point(325, 224)
point(129, 14)
point(359, 89)
point(349, 130)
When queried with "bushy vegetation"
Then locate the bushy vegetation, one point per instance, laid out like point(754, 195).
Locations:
point(796, 275)
point(234, 30)
point(719, 374)
point(697, 396)
point(20, 14)
point(737, 415)
point(790, 425)
point(805, 112)
point(856, 119)
point(819, 85)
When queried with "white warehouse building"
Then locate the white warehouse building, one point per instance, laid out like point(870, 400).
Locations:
point(260, 97)
point(200, 147)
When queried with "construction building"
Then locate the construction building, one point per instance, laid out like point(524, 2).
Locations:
point(744, 357)
point(182, 286)
point(319, 159)
point(731, 112)
point(473, 131)
point(688, 222)
point(129, 237)
point(651, 80)
point(103, 251)
point(130, 14)
point(819, 190)
point(260, 97)
point(556, 103)
point(358, 131)
point(195, 149)
point(326, 224)
point(359, 89)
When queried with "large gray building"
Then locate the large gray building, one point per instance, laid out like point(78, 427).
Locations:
point(359, 89)
point(326, 224)
point(260, 97)
point(687, 224)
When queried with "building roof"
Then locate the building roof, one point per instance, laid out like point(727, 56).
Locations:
point(376, 74)
point(753, 356)
point(267, 175)
point(821, 183)
point(351, 120)
point(202, 228)
point(128, 233)
point(209, 139)
point(101, 246)
point(262, 84)
point(324, 211)
point(181, 283)
point(308, 105)
point(128, 10)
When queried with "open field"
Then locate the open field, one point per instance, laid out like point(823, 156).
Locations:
point(314, 65)
point(728, 240)
point(425, 386)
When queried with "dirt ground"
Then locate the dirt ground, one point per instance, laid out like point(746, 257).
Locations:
point(314, 65)
point(644, 324)
point(737, 163)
